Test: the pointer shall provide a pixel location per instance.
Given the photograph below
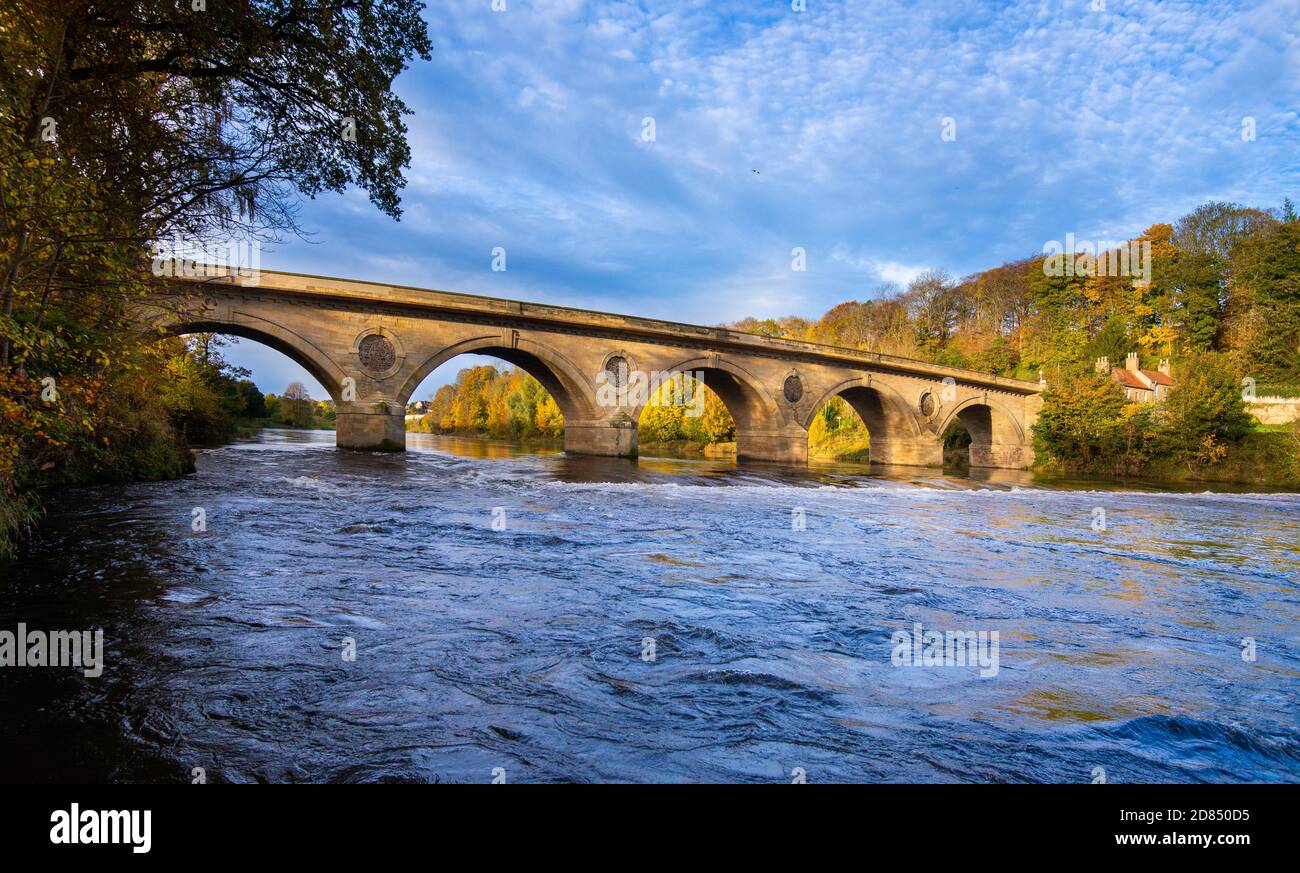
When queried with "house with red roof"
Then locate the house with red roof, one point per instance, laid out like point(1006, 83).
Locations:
point(1140, 386)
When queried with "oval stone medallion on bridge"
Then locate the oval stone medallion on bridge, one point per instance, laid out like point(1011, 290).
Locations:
point(616, 368)
point(377, 353)
point(793, 388)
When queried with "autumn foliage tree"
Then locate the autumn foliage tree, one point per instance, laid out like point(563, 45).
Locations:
point(127, 123)
point(487, 401)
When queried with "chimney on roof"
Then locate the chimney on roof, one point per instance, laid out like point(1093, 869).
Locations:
point(1103, 364)
point(1164, 367)
point(1131, 363)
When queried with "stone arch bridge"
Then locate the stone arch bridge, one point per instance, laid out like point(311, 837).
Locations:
point(371, 345)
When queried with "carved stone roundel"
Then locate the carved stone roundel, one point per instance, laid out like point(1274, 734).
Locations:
point(617, 368)
point(927, 404)
point(377, 353)
point(793, 388)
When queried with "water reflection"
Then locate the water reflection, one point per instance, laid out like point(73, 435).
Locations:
point(471, 447)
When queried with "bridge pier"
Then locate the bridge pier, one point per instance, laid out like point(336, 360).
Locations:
point(1001, 456)
point(377, 426)
point(919, 451)
point(617, 438)
point(780, 447)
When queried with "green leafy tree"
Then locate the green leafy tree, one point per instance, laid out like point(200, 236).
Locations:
point(297, 406)
point(1214, 229)
point(1199, 295)
point(1058, 332)
point(1205, 403)
point(1266, 270)
point(252, 401)
point(1077, 423)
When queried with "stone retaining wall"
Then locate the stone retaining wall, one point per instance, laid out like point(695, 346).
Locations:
point(1275, 410)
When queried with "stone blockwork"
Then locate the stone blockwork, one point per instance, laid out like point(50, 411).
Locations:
point(371, 346)
point(382, 427)
point(1275, 410)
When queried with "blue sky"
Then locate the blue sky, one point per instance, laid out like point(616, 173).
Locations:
point(527, 133)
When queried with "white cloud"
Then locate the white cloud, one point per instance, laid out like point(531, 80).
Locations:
point(901, 274)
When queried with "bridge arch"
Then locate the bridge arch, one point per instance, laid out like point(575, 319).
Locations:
point(884, 411)
point(997, 438)
point(740, 391)
point(573, 393)
point(764, 430)
point(289, 343)
point(895, 431)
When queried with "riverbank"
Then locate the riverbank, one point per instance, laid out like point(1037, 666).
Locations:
point(848, 446)
point(541, 441)
point(1263, 457)
point(1267, 457)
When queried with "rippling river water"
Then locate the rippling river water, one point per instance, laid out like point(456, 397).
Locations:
point(660, 620)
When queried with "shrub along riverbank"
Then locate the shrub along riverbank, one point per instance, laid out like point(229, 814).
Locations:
point(1202, 432)
point(133, 422)
point(1267, 458)
point(171, 396)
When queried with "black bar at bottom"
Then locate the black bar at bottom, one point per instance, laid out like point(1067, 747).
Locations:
point(225, 822)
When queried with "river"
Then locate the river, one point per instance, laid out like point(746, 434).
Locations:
point(526, 616)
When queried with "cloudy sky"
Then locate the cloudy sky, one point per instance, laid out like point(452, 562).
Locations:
point(824, 129)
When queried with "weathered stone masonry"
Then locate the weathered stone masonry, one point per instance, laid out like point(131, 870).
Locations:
point(371, 345)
